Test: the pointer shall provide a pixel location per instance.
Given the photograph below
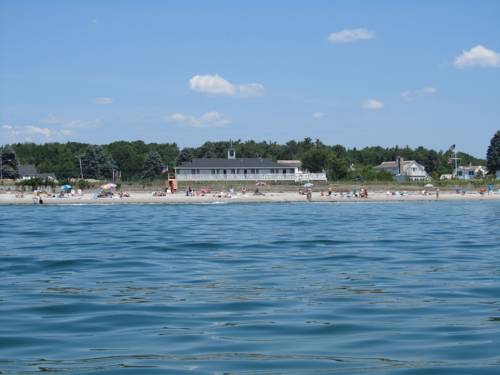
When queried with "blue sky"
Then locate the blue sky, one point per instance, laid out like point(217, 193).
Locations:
point(357, 73)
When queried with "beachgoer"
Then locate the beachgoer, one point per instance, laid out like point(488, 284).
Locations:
point(329, 191)
point(437, 193)
point(309, 195)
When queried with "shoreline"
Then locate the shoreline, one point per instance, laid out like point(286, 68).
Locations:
point(148, 198)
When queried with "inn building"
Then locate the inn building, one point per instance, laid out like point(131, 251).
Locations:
point(242, 169)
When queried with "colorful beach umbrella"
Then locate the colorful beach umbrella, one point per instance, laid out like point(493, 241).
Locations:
point(66, 187)
point(108, 186)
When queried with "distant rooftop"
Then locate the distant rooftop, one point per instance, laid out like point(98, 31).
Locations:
point(229, 163)
point(29, 170)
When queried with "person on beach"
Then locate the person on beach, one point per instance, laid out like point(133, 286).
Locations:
point(309, 195)
point(437, 193)
point(329, 191)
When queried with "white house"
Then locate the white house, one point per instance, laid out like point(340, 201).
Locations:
point(28, 171)
point(243, 169)
point(404, 169)
point(470, 172)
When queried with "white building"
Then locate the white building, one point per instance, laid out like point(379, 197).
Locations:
point(243, 169)
point(470, 172)
point(404, 169)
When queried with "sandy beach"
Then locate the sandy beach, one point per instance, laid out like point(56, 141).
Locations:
point(272, 197)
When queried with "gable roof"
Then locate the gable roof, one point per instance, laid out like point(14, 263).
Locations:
point(394, 164)
point(290, 163)
point(471, 168)
point(207, 163)
point(27, 170)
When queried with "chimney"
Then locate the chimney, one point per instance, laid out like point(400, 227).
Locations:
point(399, 162)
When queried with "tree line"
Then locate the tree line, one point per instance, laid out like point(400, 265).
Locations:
point(138, 160)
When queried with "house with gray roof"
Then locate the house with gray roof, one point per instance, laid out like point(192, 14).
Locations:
point(404, 170)
point(28, 171)
point(241, 169)
point(470, 172)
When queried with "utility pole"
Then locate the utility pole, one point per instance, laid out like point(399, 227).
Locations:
point(456, 159)
point(81, 169)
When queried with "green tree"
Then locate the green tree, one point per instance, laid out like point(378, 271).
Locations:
point(186, 154)
point(337, 168)
point(317, 160)
point(96, 163)
point(493, 154)
point(153, 166)
point(8, 163)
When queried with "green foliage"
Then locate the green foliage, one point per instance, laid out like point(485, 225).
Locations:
point(97, 164)
point(8, 163)
point(368, 173)
point(84, 184)
point(317, 160)
point(130, 157)
point(153, 165)
point(493, 154)
point(37, 182)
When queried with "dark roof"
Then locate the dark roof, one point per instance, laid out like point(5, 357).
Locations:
point(29, 170)
point(229, 163)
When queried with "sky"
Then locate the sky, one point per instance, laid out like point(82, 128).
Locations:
point(357, 73)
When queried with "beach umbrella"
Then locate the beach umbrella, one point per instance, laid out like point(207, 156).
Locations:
point(66, 187)
point(308, 185)
point(429, 185)
point(108, 186)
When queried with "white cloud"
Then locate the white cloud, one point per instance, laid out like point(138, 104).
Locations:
point(51, 119)
point(217, 85)
point(82, 124)
point(350, 35)
point(317, 115)
point(478, 57)
point(67, 132)
point(35, 130)
point(212, 85)
point(103, 101)
point(48, 129)
point(373, 104)
point(425, 91)
point(206, 120)
point(251, 90)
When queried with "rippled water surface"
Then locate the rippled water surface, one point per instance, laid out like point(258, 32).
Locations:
point(411, 288)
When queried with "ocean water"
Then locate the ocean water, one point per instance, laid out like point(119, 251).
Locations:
point(396, 288)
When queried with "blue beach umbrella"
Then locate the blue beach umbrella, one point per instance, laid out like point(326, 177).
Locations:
point(66, 187)
point(308, 185)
